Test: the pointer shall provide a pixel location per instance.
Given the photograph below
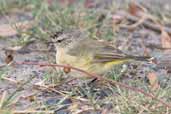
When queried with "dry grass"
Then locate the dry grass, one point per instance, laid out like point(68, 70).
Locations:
point(48, 91)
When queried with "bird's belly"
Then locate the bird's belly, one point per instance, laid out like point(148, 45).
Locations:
point(82, 63)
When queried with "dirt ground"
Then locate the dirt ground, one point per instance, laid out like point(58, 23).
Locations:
point(28, 80)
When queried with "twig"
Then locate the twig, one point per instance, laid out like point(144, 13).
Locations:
point(137, 23)
point(3, 98)
point(148, 24)
point(98, 77)
point(10, 80)
point(154, 46)
point(32, 111)
point(49, 89)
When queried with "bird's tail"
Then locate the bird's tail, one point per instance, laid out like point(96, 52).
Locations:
point(119, 57)
point(140, 58)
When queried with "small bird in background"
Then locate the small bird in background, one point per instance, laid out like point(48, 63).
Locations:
point(76, 49)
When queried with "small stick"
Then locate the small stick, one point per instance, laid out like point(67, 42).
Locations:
point(10, 80)
point(148, 24)
point(32, 111)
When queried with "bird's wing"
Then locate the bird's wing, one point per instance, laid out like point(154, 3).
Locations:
point(99, 51)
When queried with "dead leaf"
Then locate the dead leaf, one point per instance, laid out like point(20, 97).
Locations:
point(31, 98)
point(10, 30)
point(8, 59)
point(153, 80)
point(165, 39)
point(135, 9)
point(9, 56)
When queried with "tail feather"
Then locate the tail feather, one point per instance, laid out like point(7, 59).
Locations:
point(101, 58)
point(140, 58)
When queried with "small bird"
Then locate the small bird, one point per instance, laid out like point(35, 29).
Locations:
point(76, 49)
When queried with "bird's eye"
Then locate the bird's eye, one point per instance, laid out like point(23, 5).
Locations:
point(54, 36)
point(59, 41)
